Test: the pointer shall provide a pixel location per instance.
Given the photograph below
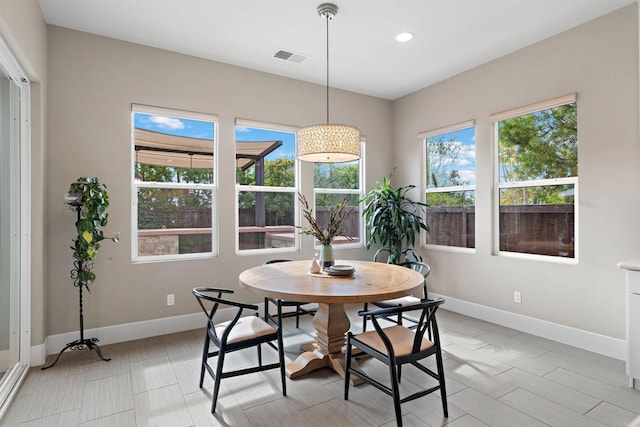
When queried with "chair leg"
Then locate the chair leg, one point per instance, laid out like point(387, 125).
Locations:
point(399, 373)
point(297, 316)
point(396, 393)
point(205, 352)
point(259, 354)
point(443, 388)
point(364, 318)
point(347, 367)
point(266, 310)
point(279, 307)
point(282, 366)
point(218, 378)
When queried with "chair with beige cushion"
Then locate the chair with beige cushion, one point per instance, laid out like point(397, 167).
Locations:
point(398, 345)
point(236, 334)
point(421, 268)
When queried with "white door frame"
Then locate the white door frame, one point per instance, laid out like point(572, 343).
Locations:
point(14, 377)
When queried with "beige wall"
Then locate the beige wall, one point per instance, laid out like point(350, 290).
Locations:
point(23, 29)
point(599, 61)
point(93, 81)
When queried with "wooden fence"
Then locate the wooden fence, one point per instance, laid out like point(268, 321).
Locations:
point(537, 229)
point(534, 229)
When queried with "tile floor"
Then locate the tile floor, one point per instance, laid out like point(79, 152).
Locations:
point(495, 376)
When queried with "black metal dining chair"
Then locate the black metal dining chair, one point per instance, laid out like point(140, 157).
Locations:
point(398, 345)
point(236, 334)
point(421, 268)
point(300, 308)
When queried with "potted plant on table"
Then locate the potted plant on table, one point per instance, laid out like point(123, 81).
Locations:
point(325, 236)
point(393, 220)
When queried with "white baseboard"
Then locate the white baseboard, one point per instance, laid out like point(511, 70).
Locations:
point(38, 354)
point(129, 331)
point(590, 341)
point(134, 331)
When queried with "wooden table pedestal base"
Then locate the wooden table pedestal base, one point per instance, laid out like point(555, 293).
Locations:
point(313, 359)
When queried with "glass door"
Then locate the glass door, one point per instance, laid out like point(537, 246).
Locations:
point(14, 196)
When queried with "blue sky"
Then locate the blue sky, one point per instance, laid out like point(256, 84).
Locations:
point(465, 140)
point(174, 126)
point(204, 130)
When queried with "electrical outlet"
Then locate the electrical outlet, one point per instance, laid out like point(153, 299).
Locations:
point(517, 297)
point(170, 299)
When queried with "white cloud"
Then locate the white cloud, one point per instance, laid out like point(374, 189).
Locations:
point(242, 129)
point(466, 154)
point(468, 175)
point(167, 122)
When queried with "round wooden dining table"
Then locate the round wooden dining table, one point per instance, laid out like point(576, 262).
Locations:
point(292, 281)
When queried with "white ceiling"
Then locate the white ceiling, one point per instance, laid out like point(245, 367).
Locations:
point(451, 36)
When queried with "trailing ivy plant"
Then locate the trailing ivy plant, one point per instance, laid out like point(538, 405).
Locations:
point(93, 202)
point(393, 221)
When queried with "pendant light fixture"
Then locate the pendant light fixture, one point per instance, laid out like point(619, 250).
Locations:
point(328, 143)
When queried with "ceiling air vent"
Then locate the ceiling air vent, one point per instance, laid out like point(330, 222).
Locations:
point(290, 56)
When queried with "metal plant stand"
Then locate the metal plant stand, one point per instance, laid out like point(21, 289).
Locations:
point(83, 342)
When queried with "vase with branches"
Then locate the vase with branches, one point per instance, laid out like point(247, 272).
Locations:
point(325, 235)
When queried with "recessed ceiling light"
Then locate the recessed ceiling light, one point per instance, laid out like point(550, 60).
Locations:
point(404, 37)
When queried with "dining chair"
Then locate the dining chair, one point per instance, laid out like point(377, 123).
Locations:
point(300, 308)
point(236, 334)
point(421, 268)
point(398, 345)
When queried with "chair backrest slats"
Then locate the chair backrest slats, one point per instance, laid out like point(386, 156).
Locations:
point(421, 268)
point(204, 294)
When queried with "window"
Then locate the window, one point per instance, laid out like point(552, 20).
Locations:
point(174, 184)
point(537, 178)
point(332, 183)
point(266, 187)
point(451, 185)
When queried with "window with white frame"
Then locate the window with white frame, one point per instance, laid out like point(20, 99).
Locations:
point(450, 185)
point(334, 182)
point(266, 187)
point(173, 183)
point(537, 178)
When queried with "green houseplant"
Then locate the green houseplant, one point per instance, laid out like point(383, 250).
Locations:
point(89, 197)
point(393, 221)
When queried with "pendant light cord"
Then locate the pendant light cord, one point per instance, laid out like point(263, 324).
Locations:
point(327, 17)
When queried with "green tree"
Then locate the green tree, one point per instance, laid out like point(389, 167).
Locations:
point(452, 198)
point(336, 175)
point(279, 173)
point(540, 145)
point(441, 155)
point(246, 177)
point(164, 207)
